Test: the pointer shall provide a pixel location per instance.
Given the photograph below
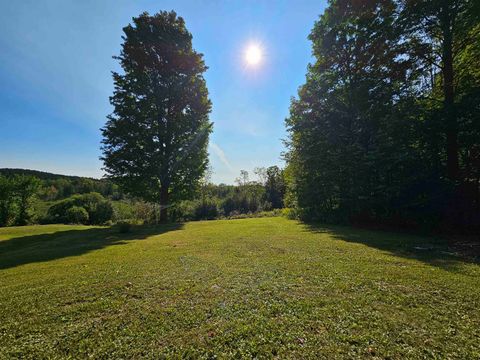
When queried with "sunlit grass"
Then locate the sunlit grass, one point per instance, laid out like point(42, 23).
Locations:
point(266, 287)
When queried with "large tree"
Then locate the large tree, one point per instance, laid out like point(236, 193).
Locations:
point(344, 126)
point(25, 187)
point(443, 35)
point(155, 141)
point(16, 195)
point(275, 187)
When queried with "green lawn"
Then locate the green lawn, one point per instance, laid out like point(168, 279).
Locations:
point(266, 288)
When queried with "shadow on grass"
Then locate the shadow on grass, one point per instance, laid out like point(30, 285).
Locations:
point(430, 250)
point(45, 247)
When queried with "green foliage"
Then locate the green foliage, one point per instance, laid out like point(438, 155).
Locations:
point(25, 187)
point(206, 210)
point(123, 210)
point(155, 141)
point(16, 199)
point(136, 210)
point(246, 199)
point(182, 211)
point(56, 187)
point(275, 187)
point(99, 210)
point(259, 214)
point(76, 215)
point(291, 213)
point(370, 138)
point(124, 226)
point(101, 213)
point(7, 203)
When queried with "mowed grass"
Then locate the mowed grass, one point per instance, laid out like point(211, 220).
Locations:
point(253, 288)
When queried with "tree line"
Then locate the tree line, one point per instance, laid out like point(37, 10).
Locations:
point(26, 199)
point(56, 187)
point(23, 200)
point(386, 128)
point(247, 198)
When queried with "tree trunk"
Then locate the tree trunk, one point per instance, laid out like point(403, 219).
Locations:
point(164, 195)
point(451, 126)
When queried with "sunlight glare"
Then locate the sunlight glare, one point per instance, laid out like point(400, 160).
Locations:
point(253, 55)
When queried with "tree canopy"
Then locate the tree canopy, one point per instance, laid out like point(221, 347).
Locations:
point(155, 141)
point(382, 128)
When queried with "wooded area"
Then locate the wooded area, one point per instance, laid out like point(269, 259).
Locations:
point(386, 129)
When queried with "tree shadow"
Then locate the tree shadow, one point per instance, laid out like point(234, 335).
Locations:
point(46, 247)
point(431, 250)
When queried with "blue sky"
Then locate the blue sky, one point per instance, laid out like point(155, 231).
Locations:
point(56, 59)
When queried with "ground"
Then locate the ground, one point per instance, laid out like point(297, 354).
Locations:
point(265, 288)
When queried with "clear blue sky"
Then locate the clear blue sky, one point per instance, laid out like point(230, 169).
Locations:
point(56, 58)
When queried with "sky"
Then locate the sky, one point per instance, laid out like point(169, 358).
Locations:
point(55, 77)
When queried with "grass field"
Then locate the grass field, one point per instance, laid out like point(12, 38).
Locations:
point(265, 288)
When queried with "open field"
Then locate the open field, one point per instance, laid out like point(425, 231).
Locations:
point(263, 288)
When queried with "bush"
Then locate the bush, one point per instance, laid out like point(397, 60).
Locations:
point(144, 211)
point(122, 210)
point(99, 210)
point(228, 206)
point(234, 215)
point(124, 226)
point(183, 211)
point(101, 213)
point(76, 215)
point(290, 213)
point(206, 210)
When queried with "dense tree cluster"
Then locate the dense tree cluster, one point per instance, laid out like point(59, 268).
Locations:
point(23, 201)
point(247, 197)
point(16, 194)
point(64, 187)
point(387, 126)
point(56, 187)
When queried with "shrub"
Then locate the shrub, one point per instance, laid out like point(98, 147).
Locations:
point(290, 213)
point(99, 210)
point(122, 210)
point(228, 206)
point(101, 213)
point(259, 214)
point(235, 215)
point(183, 211)
point(76, 215)
point(124, 226)
point(206, 209)
point(144, 211)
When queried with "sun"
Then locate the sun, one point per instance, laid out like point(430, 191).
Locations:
point(253, 55)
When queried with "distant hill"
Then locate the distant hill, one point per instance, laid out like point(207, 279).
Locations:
point(56, 186)
point(43, 175)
